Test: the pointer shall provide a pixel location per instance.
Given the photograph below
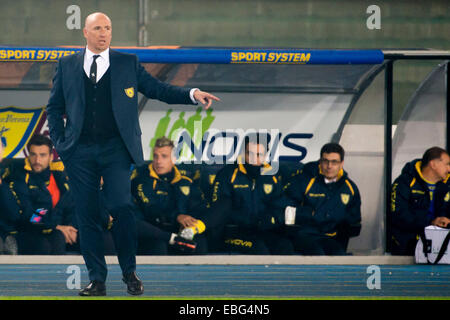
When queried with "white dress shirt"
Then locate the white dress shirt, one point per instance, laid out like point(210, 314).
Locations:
point(103, 65)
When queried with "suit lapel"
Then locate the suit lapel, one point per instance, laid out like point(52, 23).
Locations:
point(79, 76)
point(114, 66)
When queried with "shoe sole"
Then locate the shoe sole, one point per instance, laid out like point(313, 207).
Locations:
point(92, 295)
point(136, 293)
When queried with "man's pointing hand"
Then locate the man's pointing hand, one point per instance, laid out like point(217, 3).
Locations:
point(204, 98)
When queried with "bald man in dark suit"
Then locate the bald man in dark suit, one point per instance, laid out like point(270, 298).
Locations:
point(96, 90)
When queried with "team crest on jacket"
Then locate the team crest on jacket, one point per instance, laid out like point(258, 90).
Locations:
point(129, 92)
point(447, 197)
point(345, 198)
point(268, 188)
point(185, 190)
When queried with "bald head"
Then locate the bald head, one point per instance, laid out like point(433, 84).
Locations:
point(97, 31)
point(92, 18)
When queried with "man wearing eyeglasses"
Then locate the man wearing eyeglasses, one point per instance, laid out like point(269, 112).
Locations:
point(327, 207)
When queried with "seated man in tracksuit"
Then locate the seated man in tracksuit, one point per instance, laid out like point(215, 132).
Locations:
point(327, 205)
point(417, 195)
point(249, 199)
point(9, 213)
point(42, 193)
point(168, 202)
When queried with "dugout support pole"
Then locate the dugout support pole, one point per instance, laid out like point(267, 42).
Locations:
point(389, 82)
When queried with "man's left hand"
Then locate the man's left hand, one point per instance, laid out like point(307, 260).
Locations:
point(442, 222)
point(69, 232)
point(186, 221)
point(204, 98)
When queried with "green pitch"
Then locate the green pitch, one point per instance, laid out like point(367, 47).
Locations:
point(217, 298)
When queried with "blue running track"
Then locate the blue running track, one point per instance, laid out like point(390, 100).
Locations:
point(239, 281)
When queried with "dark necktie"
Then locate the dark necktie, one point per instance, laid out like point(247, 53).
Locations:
point(93, 72)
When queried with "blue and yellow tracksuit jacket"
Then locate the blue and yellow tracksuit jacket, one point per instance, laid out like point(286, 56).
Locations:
point(9, 210)
point(162, 199)
point(31, 193)
point(325, 209)
point(410, 208)
point(443, 199)
point(250, 201)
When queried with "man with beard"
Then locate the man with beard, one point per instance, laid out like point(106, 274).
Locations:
point(42, 193)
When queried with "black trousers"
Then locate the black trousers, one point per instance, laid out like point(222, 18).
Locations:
point(112, 161)
point(316, 245)
point(256, 242)
point(154, 240)
point(37, 243)
point(405, 248)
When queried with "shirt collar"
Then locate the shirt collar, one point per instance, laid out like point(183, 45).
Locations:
point(327, 181)
point(104, 54)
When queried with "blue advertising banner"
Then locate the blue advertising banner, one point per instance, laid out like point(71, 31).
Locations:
point(209, 55)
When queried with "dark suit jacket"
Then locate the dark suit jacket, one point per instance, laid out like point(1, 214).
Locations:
point(67, 98)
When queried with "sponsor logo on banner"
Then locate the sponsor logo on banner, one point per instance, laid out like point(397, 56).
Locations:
point(17, 125)
point(252, 56)
point(196, 141)
point(34, 54)
point(180, 124)
point(295, 127)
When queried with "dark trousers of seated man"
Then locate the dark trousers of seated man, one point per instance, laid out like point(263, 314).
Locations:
point(154, 239)
point(38, 243)
point(311, 244)
point(256, 242)
point(406, 248)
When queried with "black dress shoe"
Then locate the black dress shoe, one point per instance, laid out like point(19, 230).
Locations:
point(94, 289)
point(134, 284)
